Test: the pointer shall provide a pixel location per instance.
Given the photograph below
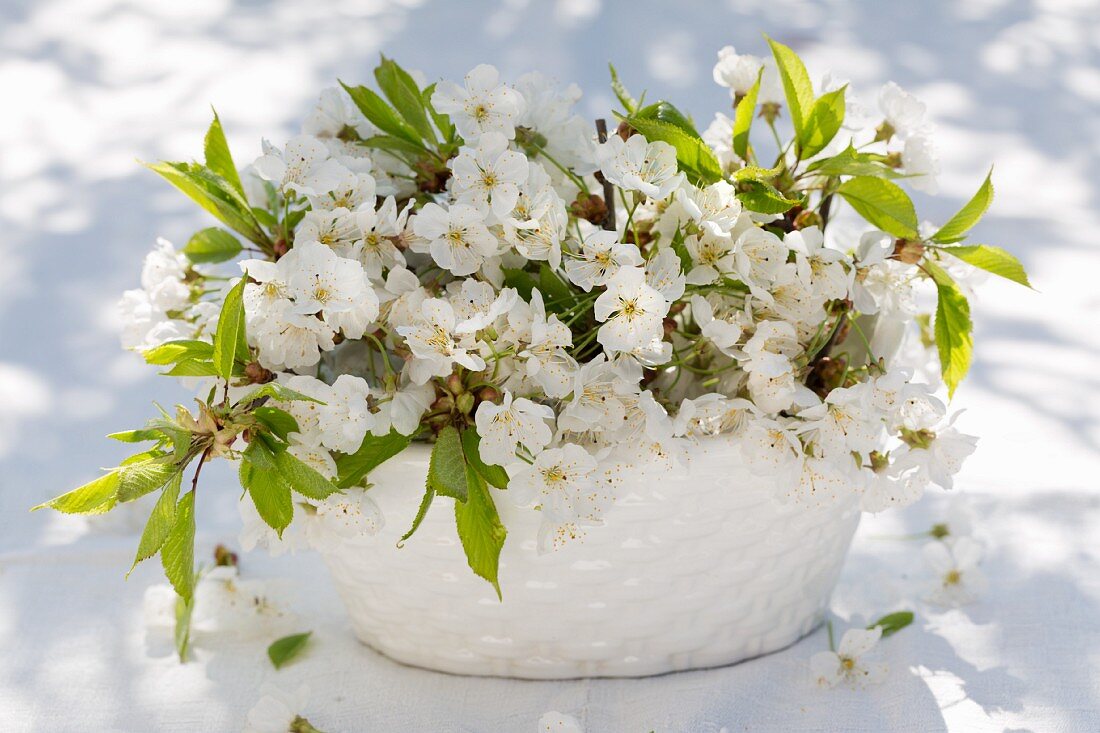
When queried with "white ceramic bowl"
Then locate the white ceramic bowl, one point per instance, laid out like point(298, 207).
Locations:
point(699, 568)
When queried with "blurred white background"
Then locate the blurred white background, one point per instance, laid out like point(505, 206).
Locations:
point(89, 87)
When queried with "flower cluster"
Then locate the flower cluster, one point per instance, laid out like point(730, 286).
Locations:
point(473, 265)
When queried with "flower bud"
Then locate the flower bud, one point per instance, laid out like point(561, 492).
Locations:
point(465, 402)
point(224, 557)
point(908, 251)
point(256, 374)
point(769, 111)
point(884, 132)
point(454, 384)
point(808, 219)
point(489, 394)
point(589, 207)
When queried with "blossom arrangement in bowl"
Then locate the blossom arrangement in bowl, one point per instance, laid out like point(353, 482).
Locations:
point(468, 292)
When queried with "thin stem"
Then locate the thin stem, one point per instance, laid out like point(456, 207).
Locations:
point(829, 628)
point(608, 189)
point(198, 469)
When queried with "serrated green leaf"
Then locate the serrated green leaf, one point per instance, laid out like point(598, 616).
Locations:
point(192, 368)
point(161, 521)
point(138, 479)
point(392, 144)
point(136, 436)
point(696, 159)
point(303, 478)
point(480, 529)
point(892, 623)
point(823, 123)
point(212, 245)
point(229, 339)
point(381, 115)
point(442, 122)
point(495, 475)
point(185, 610)
point(421, 512)
point(667, 112)
point(269, 491)
point(218, 158)
point(797, 87)
point(558, 296)
point(952, 328)
point(279, 422)
point(401, 89)
point(764, 198)
point(630, 105)
point(177, 554)
point(215, 195)
point(172, 352)
point(95, 497)
point(447, 466)
point(881, 203)
point(742, 119)
point(959, 225)
point(278, 392)
point(373, 452)
point(991, 259)
point(850, 162)
point(286, 649)
point(756, 173)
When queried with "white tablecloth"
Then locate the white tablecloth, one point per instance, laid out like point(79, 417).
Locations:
point(89, 86)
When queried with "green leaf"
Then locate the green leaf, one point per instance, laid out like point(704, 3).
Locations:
point(278, 392)
point(284, 650)
point(303, 478)
point(229, 339)
point(892, 623)
point(695, 158)
point(952, 328)
point(558, 296)
point(796, 84)
point(193, 368)
point(212, 245)
point(392, 144)
point(991, 259)
point(95, 497)
point(218, 158)
point(823, 123)
point(161, 521)
point(447, 466)
point(480, 530)
point(269, 491)
point(666, 112)
point(137, 480)
point(373, 452)
point(742, 119)
point(630, 105)
point(171, 352)
point(442, 121)
point(185, 609)
point(850, 162)
point(756, 173)
point(521, 280)
point(381, 115)
point(279, 422)
point(216, 195)
point(492, 473)
point(401, 89)
point(177, 554)
point(137, 436)
point(882, 203)
point(958, 226)
point(425, 504)
point(765, 198)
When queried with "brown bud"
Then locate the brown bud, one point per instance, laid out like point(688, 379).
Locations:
point(256, 374)
point(589, 207)
point(669, 325)
point(454, 384)
point(908, 251)
point(445, 403)
point(643, 238)
point(489, 394)
point(769, 111)
point(624, 130)
point(893, 160)
point(883, 132)
point(280, 248)
point(808, 219)
point(431, 176)
point(224, 557)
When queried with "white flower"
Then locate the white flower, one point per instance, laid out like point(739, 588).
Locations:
point(555, 722)
point(375, 247)
point(771, 449)
point(482, 105)
point(458, 239)
point(320, 281)
point(601, 256)
point(722, 332)
point(490, 175)
point(713, 256)
point(287, 338)
point(558, 480)
point(549, 112)
point(848, 664)
point(510, 424)
point(893, 486)
point(162, 277)
point(631, 311)
point(822, 480)
point(333, 114)
point(736, 71)
point(760, 256)
point(354, 191)
point(348, 517)
point(277, 711)
point(303, 167)
point(538, 223)
point(478, 305)
point(599, 398)
point(939, 455)
point(432, 341)
point(255, 532)
point(144, 325)
point(845, 422)
point(402, 409)
point(346, 417)
point(663, 274)
point(548, 363)
point(334, 228)
point(903, 112)
point(920, 161)
point(958, 580)
point(639, 165)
